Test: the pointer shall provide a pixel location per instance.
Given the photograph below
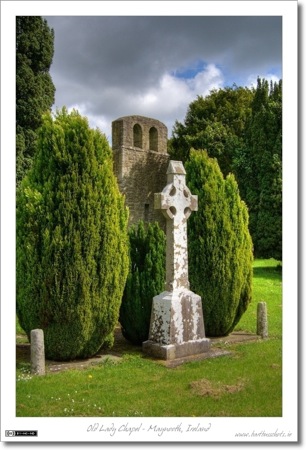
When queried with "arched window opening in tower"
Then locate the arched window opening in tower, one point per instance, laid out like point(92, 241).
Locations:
point(137, 135)
point(153, 138)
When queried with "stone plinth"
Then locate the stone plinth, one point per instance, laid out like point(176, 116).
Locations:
point(177, 327)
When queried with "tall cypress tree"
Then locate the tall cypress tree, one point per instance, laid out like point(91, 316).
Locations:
point(220, 246)
point(72, 248)
point(34, 87)
point(146, 279)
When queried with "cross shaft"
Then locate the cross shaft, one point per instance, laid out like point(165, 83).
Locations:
point(176, 203)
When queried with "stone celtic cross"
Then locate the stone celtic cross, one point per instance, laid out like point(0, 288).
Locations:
point(176, 203)
point(177, 324)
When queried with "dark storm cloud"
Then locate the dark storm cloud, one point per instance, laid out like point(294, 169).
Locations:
point(107, 62)
point(135, 50)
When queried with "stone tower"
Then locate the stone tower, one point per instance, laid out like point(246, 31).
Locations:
point(140, 164)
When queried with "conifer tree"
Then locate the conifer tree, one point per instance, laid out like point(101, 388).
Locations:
point(146, 279)
point(34, 87)
point(259, 168)
point(72, 248)
point(219, 245)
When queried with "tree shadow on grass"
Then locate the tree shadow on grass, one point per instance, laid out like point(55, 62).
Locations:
point(271, 273)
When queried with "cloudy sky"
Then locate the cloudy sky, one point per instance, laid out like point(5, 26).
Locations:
point(112, 66)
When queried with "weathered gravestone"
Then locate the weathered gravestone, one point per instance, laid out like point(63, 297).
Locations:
point(177, 325)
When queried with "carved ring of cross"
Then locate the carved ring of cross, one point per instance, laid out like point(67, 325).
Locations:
point(175, 198)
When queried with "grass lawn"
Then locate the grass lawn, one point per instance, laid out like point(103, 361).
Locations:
point(246, 383)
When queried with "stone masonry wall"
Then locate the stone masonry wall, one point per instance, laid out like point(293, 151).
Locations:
point(140, 171)
point(123, 133)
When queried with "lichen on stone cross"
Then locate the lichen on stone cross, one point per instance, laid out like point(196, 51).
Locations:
point(176, 203)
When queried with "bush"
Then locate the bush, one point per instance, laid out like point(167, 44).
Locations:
point(72, 245)
point(145, 280)
point(220, 246)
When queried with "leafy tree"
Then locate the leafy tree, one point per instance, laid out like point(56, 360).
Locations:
point(146, 279)
point(242, 129)
point(72, 244)
point(34, 87)
point(215, 123)
point(259, 169)
point(220, 246)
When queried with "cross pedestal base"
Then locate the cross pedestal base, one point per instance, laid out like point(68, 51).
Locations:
point(169, 352)
point(177, 326)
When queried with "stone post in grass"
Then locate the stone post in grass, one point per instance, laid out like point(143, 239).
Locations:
point(262, 320)
point(37, 352)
